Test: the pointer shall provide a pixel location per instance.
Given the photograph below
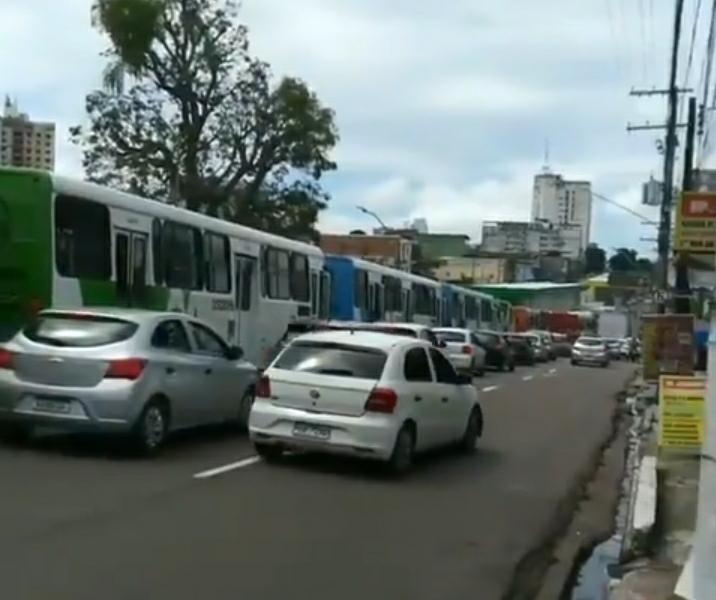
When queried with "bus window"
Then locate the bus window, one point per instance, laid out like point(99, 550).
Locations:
point(361, 289)
point(314, 293)
point(299, 278)
point(218, 269)
point(181, 254)
point(157, 252)
point(325, 304)
point(82, 238)
point(276, 274)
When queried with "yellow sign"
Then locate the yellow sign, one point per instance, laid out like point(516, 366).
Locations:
point(696, 223)
point(681, 412)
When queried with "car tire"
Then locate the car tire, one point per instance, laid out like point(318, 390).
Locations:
point(401, 459)
point(473, 430)
point(573, 362)
point(511, 366)
point(247, 401)
point(269, 452)
point(152, 427)
point(16, 433)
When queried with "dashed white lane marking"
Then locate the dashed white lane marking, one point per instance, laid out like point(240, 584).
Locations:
point(527, 377)
point(246, 462)
point(550, 372)
point(490, 388)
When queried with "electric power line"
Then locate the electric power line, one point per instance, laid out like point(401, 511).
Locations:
point(634, 213)
point(705, 105)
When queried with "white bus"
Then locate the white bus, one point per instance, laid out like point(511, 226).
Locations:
point(74, 244)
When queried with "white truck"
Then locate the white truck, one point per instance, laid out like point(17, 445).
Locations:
point(613, 324)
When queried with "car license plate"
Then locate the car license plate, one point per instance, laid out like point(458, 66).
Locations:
point(52, 406)
point(314, 432)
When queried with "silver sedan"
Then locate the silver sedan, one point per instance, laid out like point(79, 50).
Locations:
point(125, 371)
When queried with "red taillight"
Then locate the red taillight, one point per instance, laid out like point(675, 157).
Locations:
point(263, 387)
point(467, 349)
point(6, 359)
point(382, 400)
point(128, 368)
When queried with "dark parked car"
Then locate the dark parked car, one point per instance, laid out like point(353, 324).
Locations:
point(522, 350)
point(498, 353)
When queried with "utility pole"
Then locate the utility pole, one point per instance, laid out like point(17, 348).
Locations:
point(672, 92)
point(682, 289)
point(669, 154)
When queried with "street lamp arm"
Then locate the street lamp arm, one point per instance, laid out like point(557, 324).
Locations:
point(363, 209)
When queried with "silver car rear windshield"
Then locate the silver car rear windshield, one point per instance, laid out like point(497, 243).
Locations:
point(333, 359)
point(80, 331)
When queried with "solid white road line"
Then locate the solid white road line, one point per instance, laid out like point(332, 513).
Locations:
point(527, 377)
point(246, 462)
point(490, 388)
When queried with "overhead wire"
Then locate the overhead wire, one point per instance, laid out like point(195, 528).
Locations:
point(705, 90)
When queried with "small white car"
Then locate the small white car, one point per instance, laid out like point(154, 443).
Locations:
point(463, 349)
point(591, 351)
point(363, 394)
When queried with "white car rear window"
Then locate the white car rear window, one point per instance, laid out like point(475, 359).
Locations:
point(327, 358)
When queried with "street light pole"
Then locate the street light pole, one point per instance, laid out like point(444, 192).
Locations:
point(363, 209)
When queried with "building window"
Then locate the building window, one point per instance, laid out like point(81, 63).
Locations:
point(82, 238)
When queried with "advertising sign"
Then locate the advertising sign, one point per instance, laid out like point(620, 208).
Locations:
point(668, 345)
point(681, 408)
point(696, 223)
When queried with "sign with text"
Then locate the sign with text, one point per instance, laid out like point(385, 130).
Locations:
point(696, 223)
point(667, 345)
point(681, 412)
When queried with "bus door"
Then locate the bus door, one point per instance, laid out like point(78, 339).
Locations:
point(130, 261)
point(246, 273)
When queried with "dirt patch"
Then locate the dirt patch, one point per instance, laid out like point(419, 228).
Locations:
point(582, 520)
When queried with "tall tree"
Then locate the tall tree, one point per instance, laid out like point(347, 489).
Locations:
point(201, 123)
point(595, 259)
point(624, 259)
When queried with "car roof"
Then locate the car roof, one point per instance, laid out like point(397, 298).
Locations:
point(369, 339)
point(412, 326)
point(132, 314)
point(450, 329)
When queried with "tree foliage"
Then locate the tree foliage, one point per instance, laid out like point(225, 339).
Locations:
point(595, 259)
point(202, 123)
point(627, 259)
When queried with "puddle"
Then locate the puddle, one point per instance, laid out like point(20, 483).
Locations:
point(593, 581)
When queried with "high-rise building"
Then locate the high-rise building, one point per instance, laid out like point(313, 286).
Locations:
point(538, 238)
point(563, 203)
point(25, 143)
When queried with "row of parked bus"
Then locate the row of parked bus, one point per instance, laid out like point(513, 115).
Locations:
point(69, 244)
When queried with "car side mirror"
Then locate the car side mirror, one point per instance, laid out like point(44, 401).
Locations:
point(235, 353)
point(442, 344)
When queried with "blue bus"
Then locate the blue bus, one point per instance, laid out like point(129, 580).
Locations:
point(367, 292)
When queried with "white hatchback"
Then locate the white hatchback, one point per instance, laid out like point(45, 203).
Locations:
point(463, 349)
point(363, 394)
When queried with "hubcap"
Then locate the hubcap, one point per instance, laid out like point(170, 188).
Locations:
point(153, 427)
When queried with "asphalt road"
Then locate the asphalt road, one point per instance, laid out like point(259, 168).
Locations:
point(82, 519)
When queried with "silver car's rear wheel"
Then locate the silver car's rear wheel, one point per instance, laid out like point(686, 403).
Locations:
point(152, 427)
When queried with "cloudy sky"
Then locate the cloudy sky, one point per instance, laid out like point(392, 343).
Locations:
point(443, 107)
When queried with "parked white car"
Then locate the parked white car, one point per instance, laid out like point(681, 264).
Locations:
point(463, 349)
point(363, 394)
